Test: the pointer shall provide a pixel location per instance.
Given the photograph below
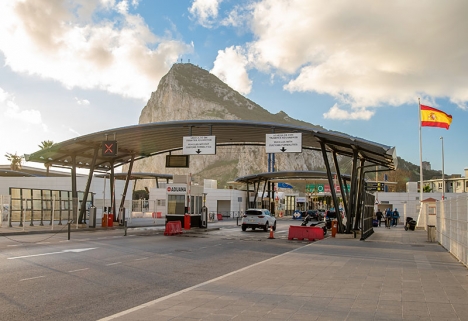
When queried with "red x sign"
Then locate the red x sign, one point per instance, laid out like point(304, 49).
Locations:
point(109, 148)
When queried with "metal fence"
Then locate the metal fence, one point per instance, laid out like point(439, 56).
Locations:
point(452, 226)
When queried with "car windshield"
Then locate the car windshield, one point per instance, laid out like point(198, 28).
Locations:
point(253, 212)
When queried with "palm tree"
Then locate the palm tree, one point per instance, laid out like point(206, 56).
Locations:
point(46, 144)
point(15, 161)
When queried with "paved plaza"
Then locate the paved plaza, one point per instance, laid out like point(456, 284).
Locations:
point(393, 275)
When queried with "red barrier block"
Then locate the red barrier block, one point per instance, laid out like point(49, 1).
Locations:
point(159, 215)
point(173, 228)
point(310, 233)
point(220, 217)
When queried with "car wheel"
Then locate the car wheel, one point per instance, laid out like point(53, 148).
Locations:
point(274, 226)
point(265, 228)
point(244, 228)
point(324, 231)
point(253, 228)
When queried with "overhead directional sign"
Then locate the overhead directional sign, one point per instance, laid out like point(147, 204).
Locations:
point(199, 145)
point(376, 187)
point(283, 143)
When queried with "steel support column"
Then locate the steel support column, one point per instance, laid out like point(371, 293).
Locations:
point(360, 191)
point(340, 182)
point(122, 201)
point(332, 187)
point(353, 192)
point(112, 191)
point(74, 190)
point(88, 184)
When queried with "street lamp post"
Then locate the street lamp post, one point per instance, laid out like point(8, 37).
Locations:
point(443, 174)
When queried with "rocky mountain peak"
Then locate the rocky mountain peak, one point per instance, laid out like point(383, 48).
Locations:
point(188, 92)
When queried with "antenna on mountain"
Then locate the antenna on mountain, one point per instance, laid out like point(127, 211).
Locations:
point(180, 60)
point(189, 61)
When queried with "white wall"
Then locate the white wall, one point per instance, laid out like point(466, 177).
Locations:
point(231, 195)
point(407, 203)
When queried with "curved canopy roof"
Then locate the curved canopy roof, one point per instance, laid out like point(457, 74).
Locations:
point(139, 175)
point(286, 176)
point(150, 139)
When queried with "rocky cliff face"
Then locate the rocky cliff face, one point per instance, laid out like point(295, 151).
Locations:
point(189, 92)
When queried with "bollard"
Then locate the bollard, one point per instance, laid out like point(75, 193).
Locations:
point(334, 228)
point(69, 228)
point(125, 228)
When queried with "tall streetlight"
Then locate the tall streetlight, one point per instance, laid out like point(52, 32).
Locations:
point(443, 174)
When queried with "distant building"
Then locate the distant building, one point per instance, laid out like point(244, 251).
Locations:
point(426, 165)
point(453, 184)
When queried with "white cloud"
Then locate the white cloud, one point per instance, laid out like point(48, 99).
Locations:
point(205, 12)
point(230, 66)
point(12, 112)
point(83, 102)
point(59, 40)
point(364, 53)
point(340, 114)
point(16, 122)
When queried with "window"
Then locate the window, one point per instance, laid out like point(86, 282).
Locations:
point(440, 185)
point(458, 184)
point(176, 204)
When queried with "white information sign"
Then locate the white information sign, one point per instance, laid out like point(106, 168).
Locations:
point(199, 145)
point(283, 143)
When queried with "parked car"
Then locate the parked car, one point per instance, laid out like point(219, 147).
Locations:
point(321, 214)
point(258, 218)
point(312, 214)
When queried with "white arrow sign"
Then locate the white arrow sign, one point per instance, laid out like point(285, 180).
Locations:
point(51, 253)
point(283, 143)
point(199, 145)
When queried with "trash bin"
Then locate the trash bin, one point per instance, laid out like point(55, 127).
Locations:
point(431, 233)
point(412, 225)
point(92, 217)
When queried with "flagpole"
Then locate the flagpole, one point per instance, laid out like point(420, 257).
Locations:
point(420, 158)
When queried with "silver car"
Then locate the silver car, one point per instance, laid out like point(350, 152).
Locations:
point(258, 218)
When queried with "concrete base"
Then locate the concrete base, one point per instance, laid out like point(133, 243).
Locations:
point(348, 236)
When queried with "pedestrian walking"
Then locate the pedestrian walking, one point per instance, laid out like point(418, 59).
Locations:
point(379, 216)
point(388, 217)
point(395, 217)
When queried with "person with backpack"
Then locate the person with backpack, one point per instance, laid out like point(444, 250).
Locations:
point(395, 217)
point(388, 217)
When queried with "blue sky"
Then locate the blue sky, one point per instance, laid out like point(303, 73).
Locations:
point(73, 67)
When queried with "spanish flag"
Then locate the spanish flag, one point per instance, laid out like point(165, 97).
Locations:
point(431, 117)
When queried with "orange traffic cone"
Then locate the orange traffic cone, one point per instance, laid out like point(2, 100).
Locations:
point(271, 233)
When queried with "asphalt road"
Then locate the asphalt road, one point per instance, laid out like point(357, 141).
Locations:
point(97, 274)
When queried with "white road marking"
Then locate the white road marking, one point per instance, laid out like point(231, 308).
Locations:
point(51, 253)
point(143, 258)
point(113, 263)
point(36, 277)
point(78, 270)
point(14, 245)
point(43, 243)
